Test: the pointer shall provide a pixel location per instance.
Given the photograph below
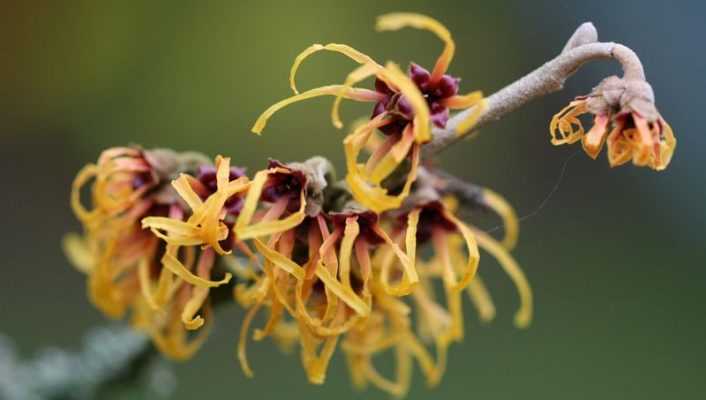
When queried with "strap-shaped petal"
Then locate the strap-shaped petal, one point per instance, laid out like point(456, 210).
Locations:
point(566, 123)
point(502, 208)
point(352, 93)
point(243, 227)
point(406, 259)
point(375, 197)
point(170, 262)
point(481, 299)
point(397, 21)
point(523, 317)
point(353, 54)
point(473, 257)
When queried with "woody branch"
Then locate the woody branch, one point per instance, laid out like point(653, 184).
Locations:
point(581, 48)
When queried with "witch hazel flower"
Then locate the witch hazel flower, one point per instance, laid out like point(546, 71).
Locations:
point(122, 260)
point(406, 106)
point(322, 274)
point(124, 187)
point(625, 120)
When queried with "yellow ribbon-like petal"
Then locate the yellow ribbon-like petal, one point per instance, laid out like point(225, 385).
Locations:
point(523, 317)
point(397, 21)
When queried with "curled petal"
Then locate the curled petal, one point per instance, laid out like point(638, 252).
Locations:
point(357, 94)
point(407, 259)
point(316, 365)
point(205, 225)
point(143, 273)
point(245, 230)
point(280, 260)
point(523, 317)
point(316, 324)
point(188, 316)
point(463, 101)
point(473, 257)
point(177, 346)
point(480, 297)
point(84, 175)
point(593, 141)
point(359, 74)
point(182, 185)
point(243, 338)
point(171, 263)
point(350, 233)
point(666, 145)
point(397, 21)
point(348, 51)
point(392, 159)
point(198, 294)
point(175, 230)
point(357, 140)
point(347, 295)
point(566, 123)
point(344, 292)
point(470, 121)
point(375, 197)
point(502, 208)
point(619, 147)
point(78, 250)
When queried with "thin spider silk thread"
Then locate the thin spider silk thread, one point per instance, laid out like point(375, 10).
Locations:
point(551, 193)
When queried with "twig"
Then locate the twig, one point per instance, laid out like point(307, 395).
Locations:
point(581, 48)
point(110, 358)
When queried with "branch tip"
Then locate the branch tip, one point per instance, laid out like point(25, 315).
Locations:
point(586, 33)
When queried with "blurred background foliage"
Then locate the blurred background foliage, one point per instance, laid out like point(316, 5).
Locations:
point(616, 257)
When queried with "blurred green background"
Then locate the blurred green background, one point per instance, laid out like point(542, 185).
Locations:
point(616, 257)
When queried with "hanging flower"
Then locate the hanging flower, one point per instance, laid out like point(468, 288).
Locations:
point(625, 118)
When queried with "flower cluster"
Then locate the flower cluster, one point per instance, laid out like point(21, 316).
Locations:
point(378, 263)
point(163, 227)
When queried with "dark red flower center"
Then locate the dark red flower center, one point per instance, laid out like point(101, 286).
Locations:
point(397, 106)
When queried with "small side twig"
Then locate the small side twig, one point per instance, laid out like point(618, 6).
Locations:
point(581, 48)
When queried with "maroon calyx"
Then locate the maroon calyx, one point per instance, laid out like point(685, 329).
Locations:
point(286, 184)
point(431, 218)
point(401, 110)
point(367, 220)
point(206, 174)
point(143, 179)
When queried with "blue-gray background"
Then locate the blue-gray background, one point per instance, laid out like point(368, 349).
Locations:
point(616, 258)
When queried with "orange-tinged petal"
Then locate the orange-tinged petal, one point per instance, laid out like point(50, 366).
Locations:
point(593, 141)
point(567, 124)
